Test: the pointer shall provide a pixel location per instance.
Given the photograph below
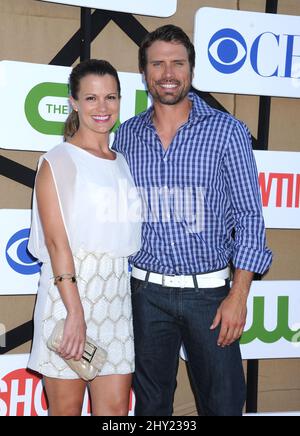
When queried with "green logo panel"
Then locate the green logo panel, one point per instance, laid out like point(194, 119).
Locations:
point(32, 102)
point(60, 90)
point(258, 330)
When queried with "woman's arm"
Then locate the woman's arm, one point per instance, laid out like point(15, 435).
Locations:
point(62, 262)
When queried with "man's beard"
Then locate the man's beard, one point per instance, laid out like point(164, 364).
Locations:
point(169, 99)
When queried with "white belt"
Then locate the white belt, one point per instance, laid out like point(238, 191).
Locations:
point(210, 280)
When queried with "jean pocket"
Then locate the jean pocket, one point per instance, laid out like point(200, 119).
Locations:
point(136, 285)
point(215, 295)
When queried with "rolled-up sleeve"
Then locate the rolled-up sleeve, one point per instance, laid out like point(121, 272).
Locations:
point(250, 250)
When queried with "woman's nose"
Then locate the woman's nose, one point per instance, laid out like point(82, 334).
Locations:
point(102, 105)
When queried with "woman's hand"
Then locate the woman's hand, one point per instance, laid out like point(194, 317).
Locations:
point(74, 337)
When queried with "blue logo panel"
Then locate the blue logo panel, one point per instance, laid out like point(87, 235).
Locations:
point(227, 51)
point(18, 256)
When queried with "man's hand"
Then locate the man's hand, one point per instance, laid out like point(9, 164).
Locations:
point(232, 313)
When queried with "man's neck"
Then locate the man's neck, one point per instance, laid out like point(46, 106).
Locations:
point(178, 113)
point(168, 119)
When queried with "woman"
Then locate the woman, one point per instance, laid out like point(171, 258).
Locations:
point(85, 225)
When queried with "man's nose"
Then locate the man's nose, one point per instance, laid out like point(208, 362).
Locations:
point(168, 72)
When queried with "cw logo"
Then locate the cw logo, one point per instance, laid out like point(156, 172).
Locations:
point(60, 91)
point(258, 330)
point(32, 110)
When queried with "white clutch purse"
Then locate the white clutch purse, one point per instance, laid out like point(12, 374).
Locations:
point(92, 360)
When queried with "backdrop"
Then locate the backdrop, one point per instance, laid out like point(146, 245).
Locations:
point(35, 32)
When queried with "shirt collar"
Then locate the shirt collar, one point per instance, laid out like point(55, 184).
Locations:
point(200, 110)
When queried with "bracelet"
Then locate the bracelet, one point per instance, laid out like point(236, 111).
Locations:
point(63, 277)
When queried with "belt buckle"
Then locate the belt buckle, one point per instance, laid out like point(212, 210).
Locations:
point(164, 280)
point(182, 281)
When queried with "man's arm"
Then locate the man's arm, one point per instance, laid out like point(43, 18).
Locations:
point(119, 140)
point(250, 253)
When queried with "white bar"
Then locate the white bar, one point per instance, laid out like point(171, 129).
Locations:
point(156, 8)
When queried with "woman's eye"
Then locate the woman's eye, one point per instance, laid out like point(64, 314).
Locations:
point(91, 98)
point(112, 97)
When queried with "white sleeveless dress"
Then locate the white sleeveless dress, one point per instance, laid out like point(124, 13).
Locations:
point(100, 208)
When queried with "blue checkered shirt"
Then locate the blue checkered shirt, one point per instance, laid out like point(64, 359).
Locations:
point(202, 203)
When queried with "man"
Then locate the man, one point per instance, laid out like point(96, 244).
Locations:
point(196, 172)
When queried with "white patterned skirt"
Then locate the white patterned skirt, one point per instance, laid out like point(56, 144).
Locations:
point(104, 287)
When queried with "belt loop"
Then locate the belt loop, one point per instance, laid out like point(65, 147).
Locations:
point(195, 283)
point(147, 279)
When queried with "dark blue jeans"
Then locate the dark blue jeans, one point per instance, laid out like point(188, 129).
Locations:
point(163, 319)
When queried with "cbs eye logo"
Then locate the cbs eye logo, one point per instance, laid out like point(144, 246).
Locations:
point(18, 256)
point(227, 51)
